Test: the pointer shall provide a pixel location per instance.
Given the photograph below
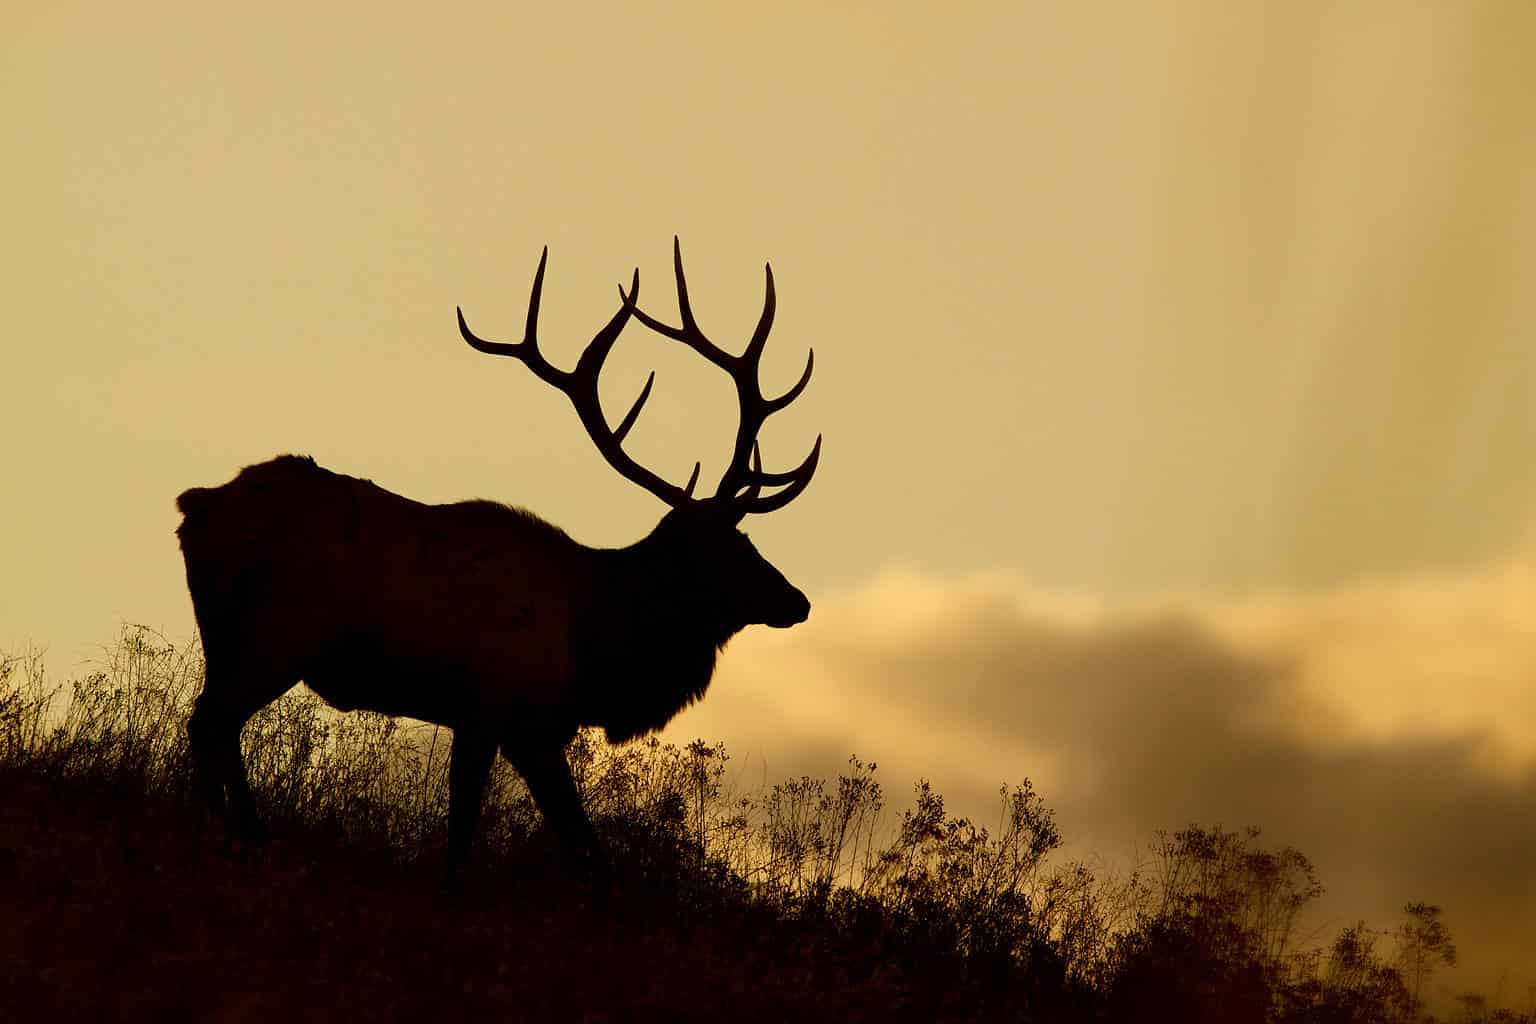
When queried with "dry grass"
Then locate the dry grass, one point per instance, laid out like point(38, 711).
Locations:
point(802, 900)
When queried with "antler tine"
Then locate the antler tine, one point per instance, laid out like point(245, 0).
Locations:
point(684, 308)
point(756, 486)
point(689, 333)
point(798, 479)
point(759, 478)
point(775, 404)
point(634, 411)
point(531, 328)
point(526, 350)
point(580, 384)
point(754, 353)
point(755, 408)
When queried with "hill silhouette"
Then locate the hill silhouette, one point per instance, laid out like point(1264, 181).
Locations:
point(798, 901)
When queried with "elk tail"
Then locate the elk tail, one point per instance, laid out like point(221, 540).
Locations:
point(210, 578)
point(193, 501)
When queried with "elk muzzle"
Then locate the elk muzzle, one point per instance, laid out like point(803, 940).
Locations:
point(794, 609)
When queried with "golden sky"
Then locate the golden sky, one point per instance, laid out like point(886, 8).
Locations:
point(1185, 347)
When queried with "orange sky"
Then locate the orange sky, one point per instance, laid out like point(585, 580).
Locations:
point(1215, 309)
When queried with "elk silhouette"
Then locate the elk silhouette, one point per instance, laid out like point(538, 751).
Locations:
point(479, 616)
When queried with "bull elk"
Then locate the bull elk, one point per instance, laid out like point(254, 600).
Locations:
point(479, 616)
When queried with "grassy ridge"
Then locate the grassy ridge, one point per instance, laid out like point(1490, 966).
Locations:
point(800, 900)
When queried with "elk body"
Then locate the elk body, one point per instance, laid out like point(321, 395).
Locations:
point(479, 616)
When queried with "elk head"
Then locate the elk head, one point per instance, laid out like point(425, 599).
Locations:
point(698, 540)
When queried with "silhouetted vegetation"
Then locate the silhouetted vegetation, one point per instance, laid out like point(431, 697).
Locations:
point(797, 901)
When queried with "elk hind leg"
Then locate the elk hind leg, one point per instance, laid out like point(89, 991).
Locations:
point(227, 702)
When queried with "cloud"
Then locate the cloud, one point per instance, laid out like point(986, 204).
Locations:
point(1387, 728)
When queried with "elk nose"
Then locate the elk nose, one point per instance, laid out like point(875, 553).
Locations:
point(796, 610)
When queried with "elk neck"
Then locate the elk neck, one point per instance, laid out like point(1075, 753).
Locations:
point(647, 643)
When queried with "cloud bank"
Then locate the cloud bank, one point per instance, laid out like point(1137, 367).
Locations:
point(1387, 728)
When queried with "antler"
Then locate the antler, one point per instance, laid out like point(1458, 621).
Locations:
point(580, 385)
point(742, 484)
point(744, 479)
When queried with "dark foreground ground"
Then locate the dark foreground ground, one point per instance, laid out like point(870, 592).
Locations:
point(113, 908)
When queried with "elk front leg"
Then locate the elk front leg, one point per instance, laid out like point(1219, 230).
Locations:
point(544, 769)
point(469, 768)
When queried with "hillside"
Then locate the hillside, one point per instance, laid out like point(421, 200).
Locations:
point(798, 902)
